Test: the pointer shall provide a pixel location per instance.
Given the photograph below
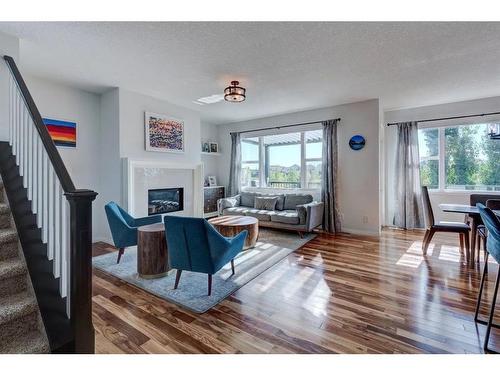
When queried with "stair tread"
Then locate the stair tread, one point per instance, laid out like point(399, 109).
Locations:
point(4, 209)
point(16, 306)
point(29, 343)
point(11, 267)
point(8, 235)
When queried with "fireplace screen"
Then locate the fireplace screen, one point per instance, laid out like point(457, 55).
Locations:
point(161, 201)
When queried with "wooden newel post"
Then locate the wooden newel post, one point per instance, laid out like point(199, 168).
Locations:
point(80, 202)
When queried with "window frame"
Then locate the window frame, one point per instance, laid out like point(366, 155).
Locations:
point(303, 162)
point(441, 157)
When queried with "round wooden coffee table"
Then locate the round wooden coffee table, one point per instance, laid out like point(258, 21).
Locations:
point(152, 254)
point(231, 225)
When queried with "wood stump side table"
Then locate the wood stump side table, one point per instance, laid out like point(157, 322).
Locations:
point(152, 254)
point(231, 225)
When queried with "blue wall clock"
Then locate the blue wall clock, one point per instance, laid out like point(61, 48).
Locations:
point(357, 142)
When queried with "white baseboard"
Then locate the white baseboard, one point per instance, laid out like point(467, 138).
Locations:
point(361, 232)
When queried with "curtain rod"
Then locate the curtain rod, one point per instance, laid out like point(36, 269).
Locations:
point(450, 118)
point(284, 126)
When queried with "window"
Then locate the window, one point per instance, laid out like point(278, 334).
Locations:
point(459, 158)
point(250, 173)
point(286, 161)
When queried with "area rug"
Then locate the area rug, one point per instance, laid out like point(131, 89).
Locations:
point(272, 246)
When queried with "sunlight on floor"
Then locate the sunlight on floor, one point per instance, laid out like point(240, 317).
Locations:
point(414, 256)
point(317, 302)
point(450, 253)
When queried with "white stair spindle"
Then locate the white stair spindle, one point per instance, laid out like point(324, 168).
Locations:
point(34, 204)
point(51, 221)
point(18, 127)
point(45, 198)
point(57, 229)
point(40, 198)
point(29, 159)
point(11, 104)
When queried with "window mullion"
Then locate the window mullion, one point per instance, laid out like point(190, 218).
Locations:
point(262, 161)
point(302, 161)
point(441, 155)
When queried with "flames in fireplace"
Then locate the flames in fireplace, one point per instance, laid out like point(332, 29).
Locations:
point(161, 201)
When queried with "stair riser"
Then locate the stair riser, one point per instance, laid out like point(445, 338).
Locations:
point(5, 221)
point(13, 285)
point(19, 326)
point(9, 250)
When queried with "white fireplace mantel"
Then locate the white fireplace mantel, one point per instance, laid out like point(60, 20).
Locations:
point(141, 175)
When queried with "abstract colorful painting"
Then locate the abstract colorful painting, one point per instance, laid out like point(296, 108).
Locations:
point(163, 133)
point(63, 133)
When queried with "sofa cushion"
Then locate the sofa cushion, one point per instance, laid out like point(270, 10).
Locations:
point(293, 200)
point(265, 203)
point(280, 202)
point(247, 199)
point(285, 217)
point(235, 211)
point(261, 215)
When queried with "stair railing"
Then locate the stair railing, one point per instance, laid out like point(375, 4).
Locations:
point(64, 213)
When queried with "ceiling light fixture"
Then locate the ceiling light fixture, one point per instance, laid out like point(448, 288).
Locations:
point(234, 93)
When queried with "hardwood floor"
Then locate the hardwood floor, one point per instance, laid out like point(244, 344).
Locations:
point(337, 294)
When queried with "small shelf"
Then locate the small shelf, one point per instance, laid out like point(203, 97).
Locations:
point(211, 153)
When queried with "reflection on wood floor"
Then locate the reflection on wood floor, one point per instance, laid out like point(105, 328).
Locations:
point(337, 294)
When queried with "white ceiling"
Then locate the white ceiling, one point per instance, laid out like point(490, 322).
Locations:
point(285, 67)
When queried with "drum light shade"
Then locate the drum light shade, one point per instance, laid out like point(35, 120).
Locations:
point(234, 93)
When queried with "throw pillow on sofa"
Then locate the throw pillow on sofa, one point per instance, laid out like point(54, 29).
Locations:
point(265, 203)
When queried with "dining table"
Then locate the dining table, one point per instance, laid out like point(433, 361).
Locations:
point(473, 213)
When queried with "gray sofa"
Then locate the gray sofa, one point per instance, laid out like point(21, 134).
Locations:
point(297, 212)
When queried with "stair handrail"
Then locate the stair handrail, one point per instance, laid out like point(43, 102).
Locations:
point(80, 229)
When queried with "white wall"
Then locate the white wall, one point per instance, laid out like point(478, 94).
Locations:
point(66, 103)
point(477, 106)
point(358, 173)
point(132, 108)
point(8, 46)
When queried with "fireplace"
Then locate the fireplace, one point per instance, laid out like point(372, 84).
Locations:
point(161, 201)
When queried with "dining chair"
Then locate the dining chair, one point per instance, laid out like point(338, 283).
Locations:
point(443, 226)
point(492, 224)
point(493, 204)
point(475, 221)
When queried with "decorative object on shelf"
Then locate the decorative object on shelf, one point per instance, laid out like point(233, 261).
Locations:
point(163, 133)
point(63, 133)
point(494, 131)
point(205, 147)
point(212, 181)
point(234, 93)
point(357, 142)
point(214, 147)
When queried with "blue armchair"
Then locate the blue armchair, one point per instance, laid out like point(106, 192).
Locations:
point(195, 245)
point(124, 227)
point(492, 224)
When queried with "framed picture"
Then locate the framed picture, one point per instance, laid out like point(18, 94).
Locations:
point(62, 132)
point(163, 133)
point(214, 147)
point(212, 181)
point(205, 147)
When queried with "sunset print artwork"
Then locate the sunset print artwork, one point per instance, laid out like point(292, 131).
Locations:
point(63, 133)
point(163, 133)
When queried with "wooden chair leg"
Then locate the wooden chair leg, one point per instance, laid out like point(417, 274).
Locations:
point(467, 248)
point(425, 238)
point(461, 235)
point(120, 253)
point(428, 239)
point(301, 234)
point(209, 285)
point(232, 265)
point(177, 278)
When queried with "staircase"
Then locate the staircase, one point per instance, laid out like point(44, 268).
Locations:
point(45, 238)
point(21, 327)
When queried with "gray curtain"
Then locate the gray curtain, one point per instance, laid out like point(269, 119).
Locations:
point(408, 203)
point(235, 167)
point(331, 217)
